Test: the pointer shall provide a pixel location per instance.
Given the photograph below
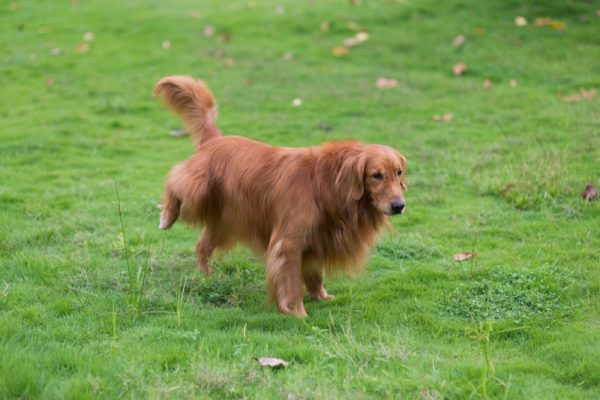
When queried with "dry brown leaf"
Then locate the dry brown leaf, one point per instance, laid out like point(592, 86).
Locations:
point(465, 255)
point(459, 41)
point(520, 21)
point(166, 44)
point(590, 193)
point(325, 26)
point(272, 362)
point(209, 30)
point(226, 38)
point(339, 51)
point(386, 83)
point(582, 95)
point(357, 39)
point(447, 117)
point(83, 48)
point(487, 84)
point(351, 42)
point(459, 69)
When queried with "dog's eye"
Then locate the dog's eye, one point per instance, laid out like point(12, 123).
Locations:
point(399, 172)
point(378, 176)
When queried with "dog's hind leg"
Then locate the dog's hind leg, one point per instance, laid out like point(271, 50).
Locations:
point(313, 280)
point(210, 240)
point(170, 211)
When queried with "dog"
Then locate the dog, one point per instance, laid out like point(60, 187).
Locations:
point(308, 211)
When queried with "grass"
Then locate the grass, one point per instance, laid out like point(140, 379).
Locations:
point(502, 179)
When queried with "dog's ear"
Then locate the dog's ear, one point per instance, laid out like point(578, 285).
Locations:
point(404, 163)
point(351, 175)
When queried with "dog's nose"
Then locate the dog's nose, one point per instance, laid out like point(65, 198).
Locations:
point(397, 206)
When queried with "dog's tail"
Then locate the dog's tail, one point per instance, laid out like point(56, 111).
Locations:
point(194, 102)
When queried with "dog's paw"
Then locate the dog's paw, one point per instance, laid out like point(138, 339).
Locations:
point(321, 295)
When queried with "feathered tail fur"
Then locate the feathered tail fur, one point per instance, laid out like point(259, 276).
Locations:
point(194, 102)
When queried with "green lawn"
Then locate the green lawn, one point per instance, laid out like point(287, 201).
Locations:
point(502, 178)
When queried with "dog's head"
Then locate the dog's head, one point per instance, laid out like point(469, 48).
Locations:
point(377, 173)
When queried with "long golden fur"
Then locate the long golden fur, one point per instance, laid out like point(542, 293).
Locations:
point(307, 211)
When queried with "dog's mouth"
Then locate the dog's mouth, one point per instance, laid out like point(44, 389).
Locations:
point(389, 212)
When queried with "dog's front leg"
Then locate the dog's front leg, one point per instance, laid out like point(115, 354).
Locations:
point(284, 276)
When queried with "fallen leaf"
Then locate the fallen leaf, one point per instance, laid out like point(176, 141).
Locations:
point(83, 48)
point(226, 38)
point(582, 95)
point(520, 21)
point(340, 51)
point(178, 133)
point(463, 256)
point(56, 51)
point(297, 102)
point(272, 362)
point(362, 36)
point(459, 69)
point(88, 36)
point(557, 25)
point(166, 44)
point(590, 193)
point(357, 39)
point(487, 84)
point(386, 83)
point(325, 26)
point(229, 62)
point(351, 42)
point(513, 83)
point(458, 41)
point(209, 30)
point(545, 21)
point(447, 117)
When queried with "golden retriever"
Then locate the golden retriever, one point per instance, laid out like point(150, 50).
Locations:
point(307, 211)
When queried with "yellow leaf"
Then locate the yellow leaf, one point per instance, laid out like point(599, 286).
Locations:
point(340, 51)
